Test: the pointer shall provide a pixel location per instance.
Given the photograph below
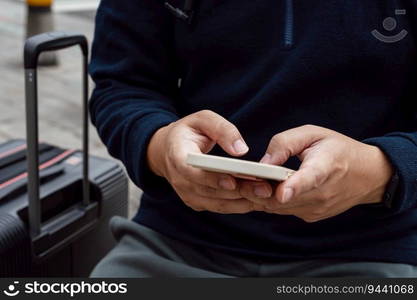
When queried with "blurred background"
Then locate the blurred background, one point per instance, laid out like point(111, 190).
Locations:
point(59, 83)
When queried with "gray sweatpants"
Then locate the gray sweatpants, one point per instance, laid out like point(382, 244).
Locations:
point(143, 252)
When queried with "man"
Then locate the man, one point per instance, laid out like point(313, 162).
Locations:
point(325, 87)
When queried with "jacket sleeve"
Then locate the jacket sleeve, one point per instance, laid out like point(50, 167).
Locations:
point(401, 150)
point(401, 147)
point(136, 81)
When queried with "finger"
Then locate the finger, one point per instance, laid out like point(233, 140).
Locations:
point(210, 192)
point(294, 211)
point(309, 199)
point(198, 176)
point(310, 213)
point(237, 206)
point(311, 175)
point(221, 131)
point(292, 142)
point(210, 179)
point(334, 211)
point(257, 192)
point(279, 211)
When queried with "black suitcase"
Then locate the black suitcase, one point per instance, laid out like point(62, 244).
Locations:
point(55, 204)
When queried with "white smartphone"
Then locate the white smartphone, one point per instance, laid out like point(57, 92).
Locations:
point(238, 167)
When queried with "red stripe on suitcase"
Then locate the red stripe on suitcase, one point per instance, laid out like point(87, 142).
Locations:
point(42, 166)
point(12, 151)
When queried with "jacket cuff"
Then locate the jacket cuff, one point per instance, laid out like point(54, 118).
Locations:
point(136, 150)
point(401, 151)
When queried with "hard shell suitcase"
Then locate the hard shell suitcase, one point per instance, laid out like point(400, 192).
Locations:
point(55, 204)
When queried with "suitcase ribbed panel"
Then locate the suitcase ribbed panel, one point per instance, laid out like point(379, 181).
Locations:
point(15, 255)
point(113, 185)
point(88, 250)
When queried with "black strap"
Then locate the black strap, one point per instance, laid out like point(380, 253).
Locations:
point(19, 167)
point(20, 187)
point(20, 156)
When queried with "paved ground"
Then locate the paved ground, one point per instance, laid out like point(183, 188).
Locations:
point(59, 87)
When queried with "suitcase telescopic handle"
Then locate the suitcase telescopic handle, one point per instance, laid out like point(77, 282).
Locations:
point(34, 46)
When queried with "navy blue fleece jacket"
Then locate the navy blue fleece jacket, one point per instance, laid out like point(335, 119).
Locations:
point(266, 66)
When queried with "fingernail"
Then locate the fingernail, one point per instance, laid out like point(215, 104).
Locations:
point(266, 159)
point(240, 147)
point(262, 191)
point(227, 184)
point(288, 193)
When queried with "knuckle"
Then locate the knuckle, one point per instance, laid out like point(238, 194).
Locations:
point(318, 177)
point(182, 172)
point(224, 128)
point(280, 142)
point(318, 212)
point(172, 156)
point(256, 207)
point(309, 127)
point(187, 202)
point(243, 189)
point(274, 203)
point(327, 196)
point(340, 168)
point(211, 181)
point(221, 207)
point(191, 204)
point(247, 193)
point(205, 113)
point(198, 208)
point(248, 207)
point(173, 125)
point(278, 139)
point(310, 219)
point(206, 190)
point(175, 181)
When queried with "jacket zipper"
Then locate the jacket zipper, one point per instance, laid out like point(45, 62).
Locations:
point(289, 24)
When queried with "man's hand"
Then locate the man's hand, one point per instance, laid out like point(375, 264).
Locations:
point(336, 173)
point(198, 133)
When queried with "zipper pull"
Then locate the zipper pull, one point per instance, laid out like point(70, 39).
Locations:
point(184, 15)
